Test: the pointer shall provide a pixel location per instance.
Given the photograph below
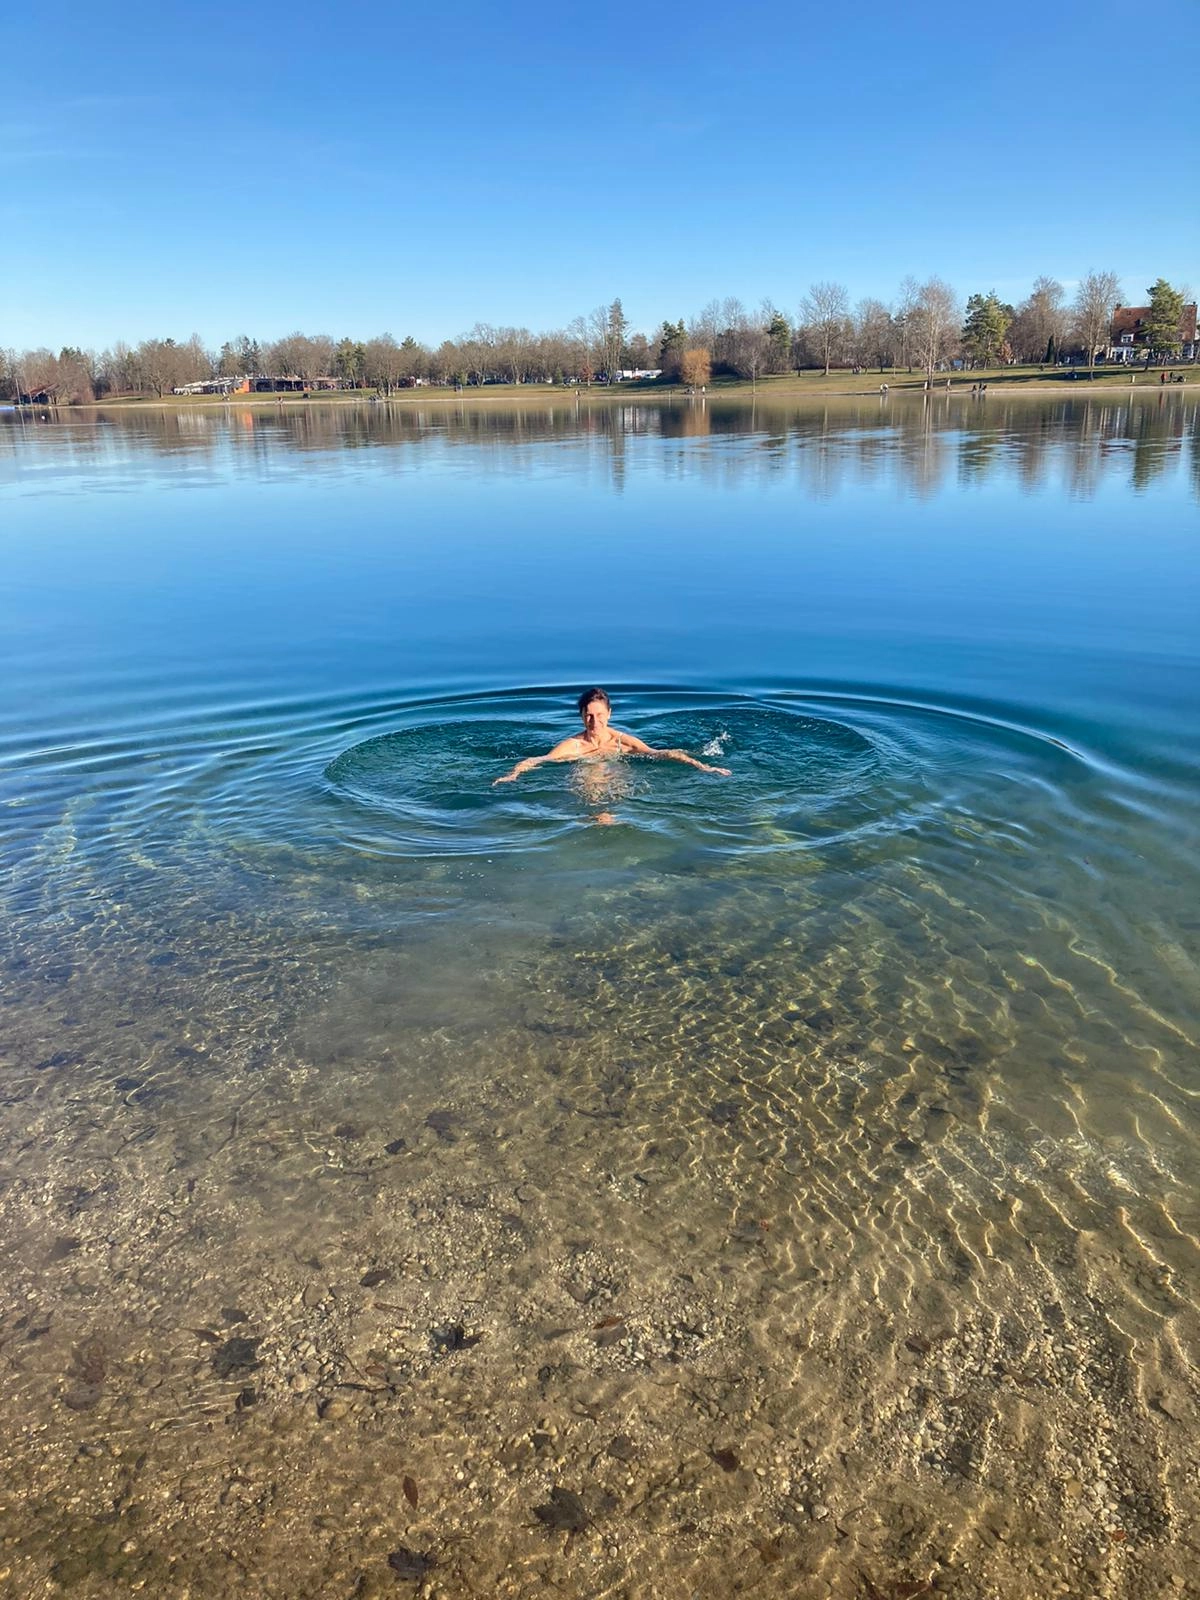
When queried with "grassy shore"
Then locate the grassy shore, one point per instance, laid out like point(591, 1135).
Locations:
point(789, 386)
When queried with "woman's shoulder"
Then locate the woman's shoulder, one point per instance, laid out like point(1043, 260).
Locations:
point(570, 746)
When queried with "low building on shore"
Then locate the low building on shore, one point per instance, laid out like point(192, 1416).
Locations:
point(1128, 338)
point(258, 383)
point(206, 386)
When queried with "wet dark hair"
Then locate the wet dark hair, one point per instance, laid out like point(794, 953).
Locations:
point(588, 695)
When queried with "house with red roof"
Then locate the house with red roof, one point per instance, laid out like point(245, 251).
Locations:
point(1127, 337)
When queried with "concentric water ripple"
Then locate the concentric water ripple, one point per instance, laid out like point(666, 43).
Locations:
point(431, 787)
point(380, 778)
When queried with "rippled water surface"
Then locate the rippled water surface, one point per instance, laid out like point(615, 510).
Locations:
point(875, 1061)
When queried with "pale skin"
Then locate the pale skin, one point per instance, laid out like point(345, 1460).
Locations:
point(599, 738)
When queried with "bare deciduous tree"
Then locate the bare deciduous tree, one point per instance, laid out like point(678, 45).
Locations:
point(1098, 295)
point(904, 318)
point(76, 376)
point(704, 328)
point(745, 347)
point(1037, 329)
point(516, 358)
point(874, 334)
point(383, 363)
point(597, 337)
point(161, 364)
point(118, 369)
point(935, 320)
point(825, 313)
point(300, 355)
point(36, 370)
point(582, 347)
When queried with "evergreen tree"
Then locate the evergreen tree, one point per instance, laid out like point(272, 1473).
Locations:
point(779, 340)
point(251, 355)
point(614, 339)
point(671, 342)
point(983, 331)
point(239, 357)
point(1162, 325)
point(349, 360)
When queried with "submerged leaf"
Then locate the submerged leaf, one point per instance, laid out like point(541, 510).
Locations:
point(411, 1564)
point(445, 1124)
point(83, 1396)
point(563, 1512)
point(236, 1355)
point(410, 1492)
point(455, 1337)
point(90, 1361)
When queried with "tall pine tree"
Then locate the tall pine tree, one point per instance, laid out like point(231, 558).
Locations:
point(984, 329)
point(1162, 330)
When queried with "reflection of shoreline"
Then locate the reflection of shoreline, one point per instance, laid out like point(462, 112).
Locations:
point(826, 443)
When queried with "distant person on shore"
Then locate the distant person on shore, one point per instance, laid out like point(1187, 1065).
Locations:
point(599, 738)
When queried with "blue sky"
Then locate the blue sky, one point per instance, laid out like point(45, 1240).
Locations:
point(376, 167)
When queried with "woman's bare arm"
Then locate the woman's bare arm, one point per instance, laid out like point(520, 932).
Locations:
point(572, 749)
point(568, 750)
point(641, 748)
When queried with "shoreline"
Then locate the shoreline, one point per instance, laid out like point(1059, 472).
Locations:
point(787, 390)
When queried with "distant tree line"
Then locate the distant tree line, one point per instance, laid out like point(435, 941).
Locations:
point(923, 329)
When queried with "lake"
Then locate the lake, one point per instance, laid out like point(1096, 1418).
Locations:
point(783, 1184)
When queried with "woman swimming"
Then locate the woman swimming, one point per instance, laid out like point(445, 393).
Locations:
point(599, 738)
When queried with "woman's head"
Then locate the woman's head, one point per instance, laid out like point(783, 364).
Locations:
point(587, 697)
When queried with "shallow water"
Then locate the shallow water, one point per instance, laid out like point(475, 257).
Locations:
point(876, 1060)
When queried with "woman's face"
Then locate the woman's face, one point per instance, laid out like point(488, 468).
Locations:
point(595, 718)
